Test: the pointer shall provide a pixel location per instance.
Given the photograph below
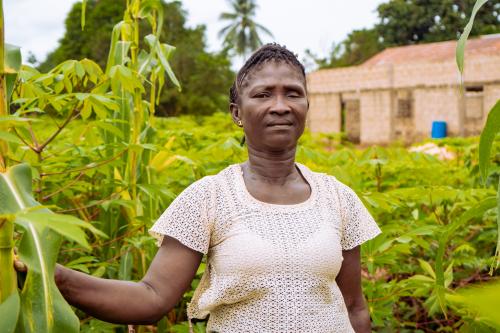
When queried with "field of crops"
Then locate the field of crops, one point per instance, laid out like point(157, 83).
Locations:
point(418, 200)
point(86, 169)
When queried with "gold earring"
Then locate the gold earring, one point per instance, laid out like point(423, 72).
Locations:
point(240, 123)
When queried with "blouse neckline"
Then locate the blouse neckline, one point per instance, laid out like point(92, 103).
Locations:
point(304, 171)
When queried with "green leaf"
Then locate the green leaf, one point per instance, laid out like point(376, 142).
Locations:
point(482, 301)
point(82, 20)
point(12, 65)
point(100, 271)
point(15, 189)
point(9, 137)
point(13, 60)
point(463, 38)
point(61, 224)
point(109, 128)
point(427, 268)
point(9, 313)
point(490, 131)
point(43, 309)
point(126, 263)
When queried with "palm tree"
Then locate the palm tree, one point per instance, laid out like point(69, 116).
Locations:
point(242, 34)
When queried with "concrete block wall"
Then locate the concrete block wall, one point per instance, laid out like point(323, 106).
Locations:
point(436, 104)
point(491, 95)
point(376, 122)
point(435, 87)
point(324, 113)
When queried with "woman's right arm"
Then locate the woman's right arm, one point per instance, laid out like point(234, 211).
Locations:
point(125, 302)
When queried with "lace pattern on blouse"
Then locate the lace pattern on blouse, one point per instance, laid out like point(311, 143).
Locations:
point(270, 267)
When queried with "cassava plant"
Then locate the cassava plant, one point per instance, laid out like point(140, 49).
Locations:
point(38, 306)
point(119, 102)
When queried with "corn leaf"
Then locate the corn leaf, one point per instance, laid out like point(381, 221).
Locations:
point(482, 301)
point(43, 309)
point(463, 38)
point(12, 65)
point(490, 131)
point(9, 312)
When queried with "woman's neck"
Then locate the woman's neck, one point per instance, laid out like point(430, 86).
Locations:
point(271, 167)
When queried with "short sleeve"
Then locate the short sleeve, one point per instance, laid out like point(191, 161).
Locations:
point(358, 225)
point(187, 218)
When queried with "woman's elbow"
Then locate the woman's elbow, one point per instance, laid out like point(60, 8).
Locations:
point(156, 308)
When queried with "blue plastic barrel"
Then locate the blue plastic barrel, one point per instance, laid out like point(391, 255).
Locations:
point(438, 129)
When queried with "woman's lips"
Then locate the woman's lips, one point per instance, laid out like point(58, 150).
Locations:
point(280, 126)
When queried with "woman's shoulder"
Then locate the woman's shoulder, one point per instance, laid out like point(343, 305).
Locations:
point(210, 183)
point(331, 183)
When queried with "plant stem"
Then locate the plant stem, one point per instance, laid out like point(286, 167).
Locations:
point(3, 98)
point(8, 279)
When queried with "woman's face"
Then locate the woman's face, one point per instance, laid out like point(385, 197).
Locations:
point(272, 107)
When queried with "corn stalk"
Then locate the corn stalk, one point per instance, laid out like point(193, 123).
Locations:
point(491, 128)
point(38, 306)
point(8, 281)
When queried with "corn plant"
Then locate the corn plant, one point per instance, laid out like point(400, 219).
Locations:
point(119, 102)
point(39, 306)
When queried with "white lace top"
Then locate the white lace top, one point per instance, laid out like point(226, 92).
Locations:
point(270, 267)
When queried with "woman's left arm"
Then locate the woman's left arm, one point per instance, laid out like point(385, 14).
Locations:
point(349, 282)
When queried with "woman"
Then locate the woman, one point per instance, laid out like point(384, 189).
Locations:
point(282, 241)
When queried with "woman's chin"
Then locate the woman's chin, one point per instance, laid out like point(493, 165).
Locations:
point(280, 143)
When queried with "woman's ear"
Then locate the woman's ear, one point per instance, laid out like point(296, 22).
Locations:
point(235, 112)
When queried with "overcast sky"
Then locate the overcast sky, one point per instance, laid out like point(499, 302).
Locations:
point(37, 25)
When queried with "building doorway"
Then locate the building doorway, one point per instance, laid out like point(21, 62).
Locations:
point(351, 120)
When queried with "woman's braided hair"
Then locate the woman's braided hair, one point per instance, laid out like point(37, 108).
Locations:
point(264, 54)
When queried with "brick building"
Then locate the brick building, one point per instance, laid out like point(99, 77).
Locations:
point(398, 93)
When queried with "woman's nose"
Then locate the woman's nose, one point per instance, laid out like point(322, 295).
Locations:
point(280, 105)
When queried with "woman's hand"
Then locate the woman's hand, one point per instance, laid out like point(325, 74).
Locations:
point(349, 282)
point(127, 302)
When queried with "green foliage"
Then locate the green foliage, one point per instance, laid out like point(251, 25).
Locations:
point(403, 22)
point(465, 35)
point(41, 306)
point(193, 65)
point(358, 46)
point(482, 303)
point(492, 126)
point(411, 22)
point(97, 152)
point(241, 35)
point(438, 223)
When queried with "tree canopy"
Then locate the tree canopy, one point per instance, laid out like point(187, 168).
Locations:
point(242, 34)
point(355, 49)
point(205, 77)
point(405, 22)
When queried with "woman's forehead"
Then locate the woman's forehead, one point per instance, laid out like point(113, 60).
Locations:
point(273, 72)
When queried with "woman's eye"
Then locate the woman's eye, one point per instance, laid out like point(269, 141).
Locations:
point(293, 95)
point(261, 95)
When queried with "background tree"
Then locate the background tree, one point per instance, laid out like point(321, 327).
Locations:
point(193, 65)
point(355, 49)
point(242, 34)
point(403, 22)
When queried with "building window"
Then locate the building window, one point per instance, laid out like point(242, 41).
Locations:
point(404, 109)
point(474, 102)
point(474, 89)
